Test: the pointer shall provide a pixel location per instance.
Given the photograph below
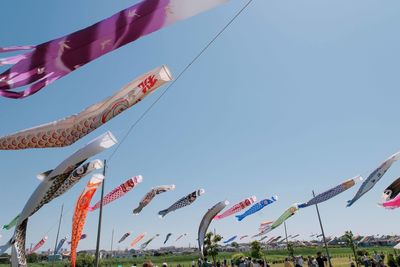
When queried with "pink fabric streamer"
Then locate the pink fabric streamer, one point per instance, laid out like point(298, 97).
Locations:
point(38, 245)
point(236, 208)
point(118, 192)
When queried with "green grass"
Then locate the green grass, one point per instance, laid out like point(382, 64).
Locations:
point(340, 257)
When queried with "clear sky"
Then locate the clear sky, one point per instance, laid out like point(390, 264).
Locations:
point(295, 96)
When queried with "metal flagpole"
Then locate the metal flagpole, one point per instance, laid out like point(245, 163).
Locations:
point(287, 241)
point(58, 234)
point(323, 233)
point(100, 216)
point(112, 241)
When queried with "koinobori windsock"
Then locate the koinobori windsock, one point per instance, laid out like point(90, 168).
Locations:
point(230, 239)
point(54, 59)
point(167, 237)
point(150, 195)
point(264, 229)
point(374, 177)
point(275, 239)
point(286, 215)
point(78, 174)
point(391, 196)
point(183, 202)
point(265, 224)
point(205, 223)
point(38, 245)
point(137, 239)
point(119, 191)
point(270, 240)
point(68, 130)
point(179, 237)
point(124, 236)
point(11, 224)
point(145, 244)
point(81, 210)
point(83, 236)
point(54, 183)
point(257, 207)
point(60, 245)
point(261, 233)
point(331, 192)
point(57, 188)
point(293, 237)
point(236, 208)
point(18, 251)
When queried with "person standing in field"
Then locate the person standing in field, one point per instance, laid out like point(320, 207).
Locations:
point(287, 263)
point(300, 261)
point(377, 258)
point(365, 260)
point(309, 262)
point(320, 259)
point(312, 262)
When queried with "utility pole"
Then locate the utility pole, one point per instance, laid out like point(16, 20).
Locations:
point(323, 233)
point(100, 216)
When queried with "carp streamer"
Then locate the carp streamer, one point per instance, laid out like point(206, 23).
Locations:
point(183, 202)
point(331, 192)
point(81, 210)
point(257, 207)
point(391, 196)
point(53, 184)
point(54, 59)
point(145, 244)
point(137, 239)
point(230, 239)
point(374, 177)
point(179, 237)
point(167, 237)
point(38, 245)
point(119, 191)
point(205, 223)
point(124, 237)
point(236, 208)
point(286, 215)
point(68, 130)
point(151, 194)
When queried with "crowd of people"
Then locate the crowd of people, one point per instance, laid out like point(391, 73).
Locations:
point(378, 260)
point(241, 262)
point(374, 260)
point(310, 261)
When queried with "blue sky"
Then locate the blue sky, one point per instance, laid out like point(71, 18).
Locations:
point(295, 96)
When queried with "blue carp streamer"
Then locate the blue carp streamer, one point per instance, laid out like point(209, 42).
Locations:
point(257, 207)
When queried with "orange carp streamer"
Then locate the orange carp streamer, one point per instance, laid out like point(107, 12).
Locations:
point(137, 239)
point(81, 210)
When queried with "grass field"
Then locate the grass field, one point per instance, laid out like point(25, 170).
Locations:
point(340, 257)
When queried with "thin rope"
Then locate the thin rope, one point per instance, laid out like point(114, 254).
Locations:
point(178, 77)
point(165, 91)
